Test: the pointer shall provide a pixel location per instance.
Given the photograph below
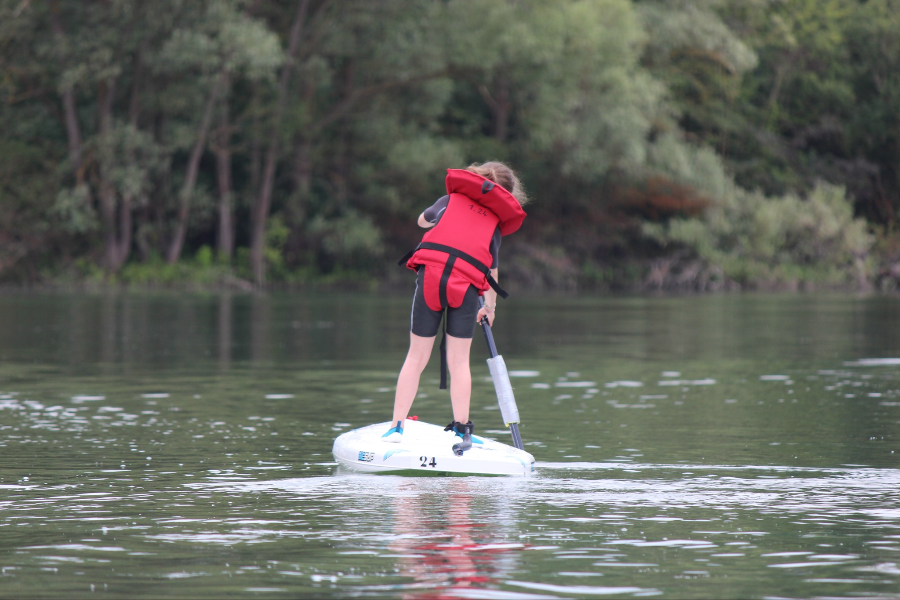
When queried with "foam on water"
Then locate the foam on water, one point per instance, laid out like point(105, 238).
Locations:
point(874, 362)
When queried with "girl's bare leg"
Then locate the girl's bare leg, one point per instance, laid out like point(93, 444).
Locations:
point(408, 382)
point(460, 376)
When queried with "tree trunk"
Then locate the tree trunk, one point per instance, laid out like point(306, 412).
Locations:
point(107, 192)
point(123, 248)
point(190, 176)
point(303, 167)
point(255, 160)
point(154, 214)
point(500, 106)
point(223, 176)
point(340, 174)
point(73, 131)
point(501, 114)
point(123, 243)
point(260, 211)
point(303, 147)
point(781, 74)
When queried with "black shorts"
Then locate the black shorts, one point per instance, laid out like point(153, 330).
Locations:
point(425, 322)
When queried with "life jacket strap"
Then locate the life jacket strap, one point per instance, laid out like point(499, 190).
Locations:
point(442, 294)
point(402, 262)
point(453, 252)
point(443, 385)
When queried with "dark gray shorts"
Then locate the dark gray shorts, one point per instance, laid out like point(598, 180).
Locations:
point(425, 322)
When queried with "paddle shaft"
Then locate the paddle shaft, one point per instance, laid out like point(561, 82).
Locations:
point(492, 348)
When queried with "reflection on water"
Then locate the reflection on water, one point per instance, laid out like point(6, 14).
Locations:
point(730, 446)
point(439, 545)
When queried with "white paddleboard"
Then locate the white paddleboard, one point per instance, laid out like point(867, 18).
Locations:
point(427, 448)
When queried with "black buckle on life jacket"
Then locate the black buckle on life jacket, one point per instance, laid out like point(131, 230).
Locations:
point(487, 186)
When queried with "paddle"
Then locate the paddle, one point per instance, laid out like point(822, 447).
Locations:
point(502, 386)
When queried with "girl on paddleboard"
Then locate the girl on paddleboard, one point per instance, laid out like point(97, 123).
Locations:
point(456, 263)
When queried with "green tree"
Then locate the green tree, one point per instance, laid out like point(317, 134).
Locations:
point(304, 136)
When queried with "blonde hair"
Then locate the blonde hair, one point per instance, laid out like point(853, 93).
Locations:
point(502, 176)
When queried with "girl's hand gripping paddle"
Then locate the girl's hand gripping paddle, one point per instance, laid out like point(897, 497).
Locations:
point(502, 386)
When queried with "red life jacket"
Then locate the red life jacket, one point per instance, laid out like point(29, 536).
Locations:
point(456, 252)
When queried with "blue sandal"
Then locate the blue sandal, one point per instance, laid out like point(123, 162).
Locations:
point(394, 434)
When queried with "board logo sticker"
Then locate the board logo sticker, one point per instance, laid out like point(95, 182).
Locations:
point(366, 456)
point(390, 453)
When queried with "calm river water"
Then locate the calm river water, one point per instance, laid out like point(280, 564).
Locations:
point(731, 446)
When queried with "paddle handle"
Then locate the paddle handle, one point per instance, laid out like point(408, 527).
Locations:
point(489, 337)
point(486, 327)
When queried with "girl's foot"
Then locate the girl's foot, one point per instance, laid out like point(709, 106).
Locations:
point(394, 434)
point(463, 429)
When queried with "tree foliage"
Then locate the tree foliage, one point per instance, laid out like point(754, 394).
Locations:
point(301, 138)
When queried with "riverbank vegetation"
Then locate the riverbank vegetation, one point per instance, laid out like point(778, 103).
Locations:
point(687, 145)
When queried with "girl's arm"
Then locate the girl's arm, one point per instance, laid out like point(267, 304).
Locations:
point(432, 214)
point(490, 301)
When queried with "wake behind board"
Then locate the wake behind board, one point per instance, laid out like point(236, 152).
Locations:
point(427, 448)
